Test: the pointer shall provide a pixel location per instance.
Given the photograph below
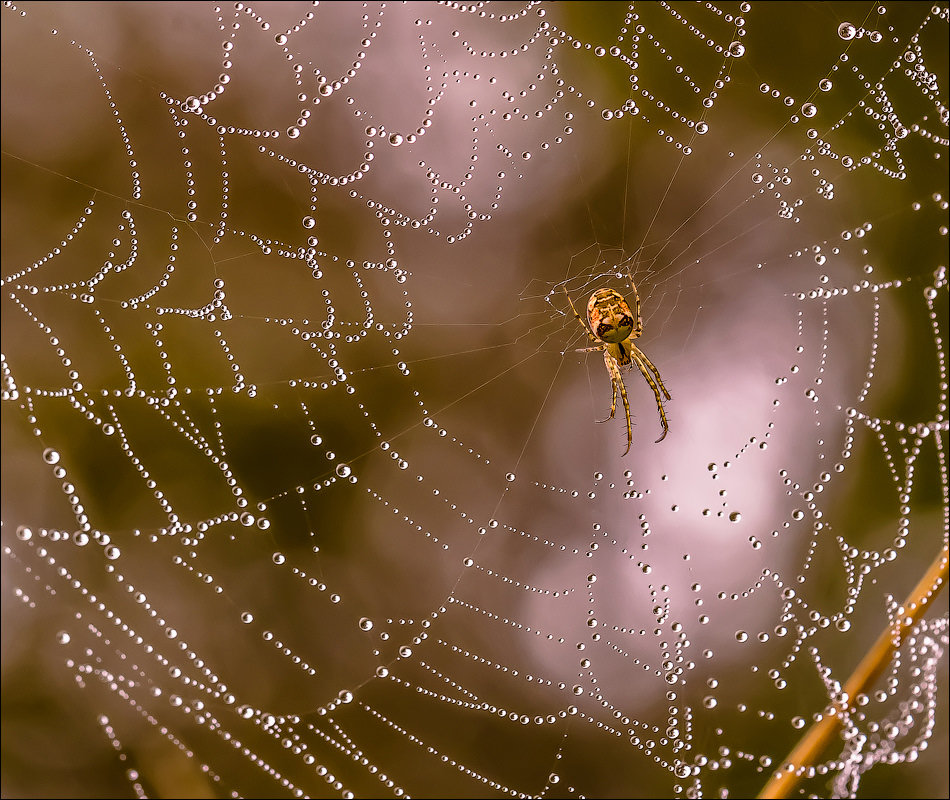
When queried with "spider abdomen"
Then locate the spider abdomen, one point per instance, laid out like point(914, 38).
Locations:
point(609, 315)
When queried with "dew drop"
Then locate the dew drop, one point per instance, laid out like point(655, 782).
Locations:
point(846, 30)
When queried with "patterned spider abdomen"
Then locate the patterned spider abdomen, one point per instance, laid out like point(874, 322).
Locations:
point(609, 315)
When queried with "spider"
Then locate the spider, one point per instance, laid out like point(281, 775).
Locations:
point(613, 327)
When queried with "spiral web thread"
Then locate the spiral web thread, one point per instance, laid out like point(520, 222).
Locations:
point(303, 492)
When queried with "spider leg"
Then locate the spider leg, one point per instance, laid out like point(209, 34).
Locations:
point(616, 379)
point(653, 369)
point(637, 320)
point(614, 375)
point(584, 325)
point(642, 362)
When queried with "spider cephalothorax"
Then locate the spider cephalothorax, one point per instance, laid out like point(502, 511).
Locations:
point(612, 324)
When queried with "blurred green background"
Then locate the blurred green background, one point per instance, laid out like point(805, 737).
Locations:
point(93, 119)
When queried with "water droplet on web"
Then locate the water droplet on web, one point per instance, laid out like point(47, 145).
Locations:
point(323, 317)
point(847, 31)
point(742, 636)
point(51, 455)
point(62, 637)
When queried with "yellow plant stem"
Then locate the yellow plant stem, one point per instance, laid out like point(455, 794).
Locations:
point(813, 743)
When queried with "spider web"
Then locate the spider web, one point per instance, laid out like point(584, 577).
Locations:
point(303, 492)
